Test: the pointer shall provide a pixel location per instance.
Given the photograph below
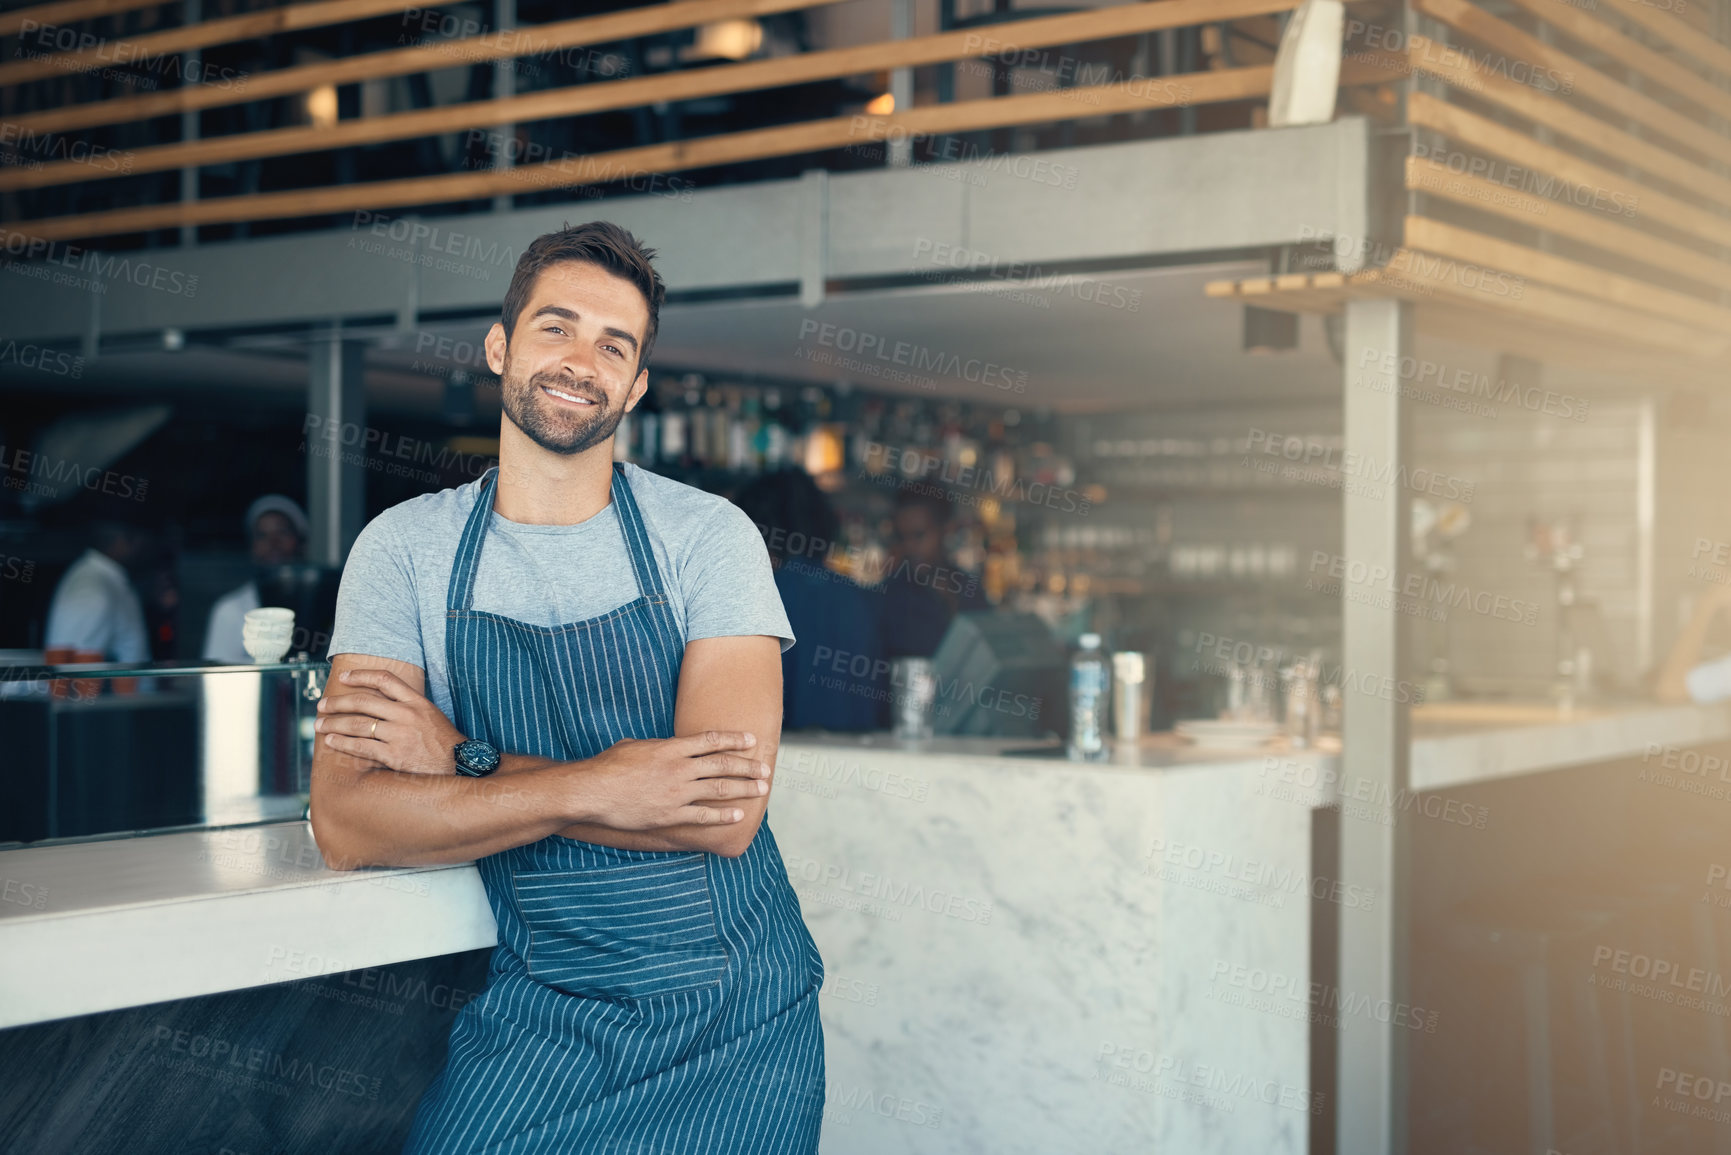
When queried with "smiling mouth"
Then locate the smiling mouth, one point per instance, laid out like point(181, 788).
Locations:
point(568, 398)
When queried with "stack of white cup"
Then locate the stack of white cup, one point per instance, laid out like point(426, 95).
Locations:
point(266, 633)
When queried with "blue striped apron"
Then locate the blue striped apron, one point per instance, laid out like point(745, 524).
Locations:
point(639, 1002)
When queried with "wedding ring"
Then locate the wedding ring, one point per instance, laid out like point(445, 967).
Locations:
point(374, 732)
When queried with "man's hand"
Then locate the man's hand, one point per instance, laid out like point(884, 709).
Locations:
point(385, 720)
point(654, 783)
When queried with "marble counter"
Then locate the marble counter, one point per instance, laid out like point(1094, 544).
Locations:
point(1031, 955)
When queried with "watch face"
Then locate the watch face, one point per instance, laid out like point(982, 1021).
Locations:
point(476, 758)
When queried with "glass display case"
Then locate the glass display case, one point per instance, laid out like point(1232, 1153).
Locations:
point(104, 749)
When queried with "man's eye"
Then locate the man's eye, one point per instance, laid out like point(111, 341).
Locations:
point(554, 329)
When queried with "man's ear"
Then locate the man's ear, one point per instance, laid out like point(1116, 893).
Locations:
point(638, 388)
point(495, 347)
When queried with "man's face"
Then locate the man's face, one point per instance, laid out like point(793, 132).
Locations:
point(570, 373)
point(274, 540)
point(919, 536)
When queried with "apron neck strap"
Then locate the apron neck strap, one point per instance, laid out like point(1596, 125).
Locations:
point(461, 593)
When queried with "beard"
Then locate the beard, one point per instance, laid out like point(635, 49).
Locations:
point(551, 425)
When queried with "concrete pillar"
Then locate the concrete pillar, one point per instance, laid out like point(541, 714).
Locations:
point(336, 445)
point(1371, 1080)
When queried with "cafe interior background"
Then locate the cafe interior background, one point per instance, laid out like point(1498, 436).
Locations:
point(1355, 372)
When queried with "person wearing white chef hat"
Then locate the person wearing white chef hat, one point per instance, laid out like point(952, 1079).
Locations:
point(276, 529)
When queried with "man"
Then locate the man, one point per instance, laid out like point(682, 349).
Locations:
point(95, 609)
point(601, 648)
point(276, 531)
point(924, 590)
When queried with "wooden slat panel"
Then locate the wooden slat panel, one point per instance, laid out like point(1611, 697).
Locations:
point(531, 41)
point(1594, 85)
point(1600, 36)
point(226, 30)
point(1425, 111)
point(1540, 302)
point(1430, 57)
point(584, 99)
point(1444, 239)
point(1433, 179)
point(68, 12)
point(1686, 39)
point(1470, 323)
point(729, 148)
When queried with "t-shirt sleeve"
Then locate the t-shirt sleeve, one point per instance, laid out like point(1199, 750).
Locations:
point(728, 584)
point(377, 613)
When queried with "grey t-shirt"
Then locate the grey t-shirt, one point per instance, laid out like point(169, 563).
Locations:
point(712, 560)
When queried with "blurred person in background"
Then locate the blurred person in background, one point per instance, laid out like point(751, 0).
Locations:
point(95, 609)
point(830, 614)
point(923, 589)
point(276, 529)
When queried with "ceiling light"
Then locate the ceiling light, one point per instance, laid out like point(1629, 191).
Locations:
point(881, 105)
point(726, 40)
point(321, 104)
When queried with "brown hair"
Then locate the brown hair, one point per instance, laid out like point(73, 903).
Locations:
point(602, 244)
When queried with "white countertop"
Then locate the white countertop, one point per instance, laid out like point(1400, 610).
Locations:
point(95, 926)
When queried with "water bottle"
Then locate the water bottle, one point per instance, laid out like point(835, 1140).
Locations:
point(1087, 702)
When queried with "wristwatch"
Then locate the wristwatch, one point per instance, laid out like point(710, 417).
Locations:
point(476, 758)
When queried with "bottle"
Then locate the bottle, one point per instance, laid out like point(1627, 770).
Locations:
point(1087, 702)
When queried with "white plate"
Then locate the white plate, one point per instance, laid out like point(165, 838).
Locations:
point(1219, 734)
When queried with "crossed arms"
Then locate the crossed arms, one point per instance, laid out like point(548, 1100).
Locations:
point(388, 794)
